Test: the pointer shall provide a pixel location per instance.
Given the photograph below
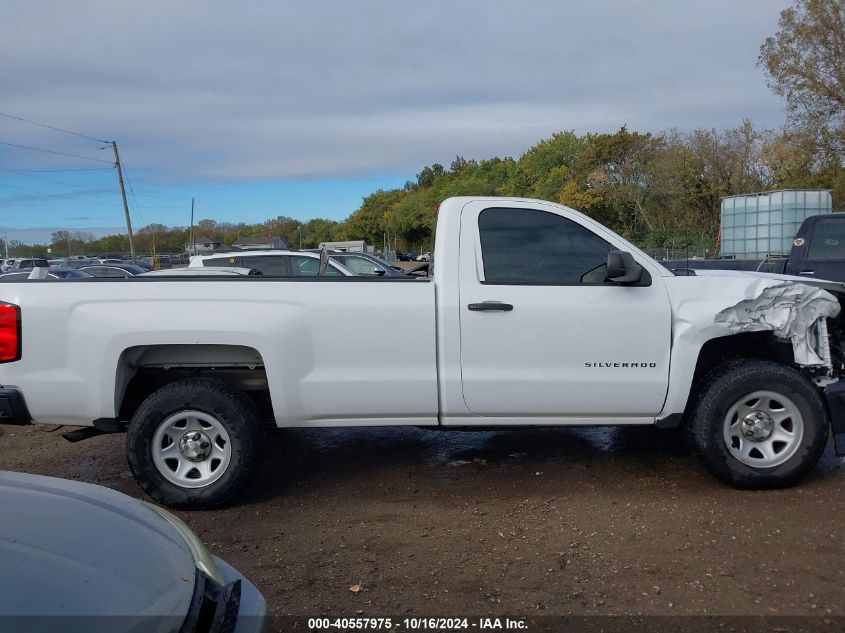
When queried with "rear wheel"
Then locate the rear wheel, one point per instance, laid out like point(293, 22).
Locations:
point(194, 443)
point(758, 424)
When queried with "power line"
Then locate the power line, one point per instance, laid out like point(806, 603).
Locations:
point(51, 151)
point(52, 127)
point(147, 206)
point(213, 208)
point(55, 171)
point(40, 176)
point(40, 193)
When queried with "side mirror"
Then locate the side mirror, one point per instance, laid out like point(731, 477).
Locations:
point(379, 271)
point(622, 268)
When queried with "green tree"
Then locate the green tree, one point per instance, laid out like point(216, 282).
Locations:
point(316, 231)
point(805, 64)
point(615, 168)
point(372, 220)
point(545, 168)
point(428, 175)
point(282, 226)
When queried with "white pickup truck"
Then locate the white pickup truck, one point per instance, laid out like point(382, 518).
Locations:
point(535, 315)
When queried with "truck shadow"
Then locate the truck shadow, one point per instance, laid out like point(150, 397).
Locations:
point(304, 458)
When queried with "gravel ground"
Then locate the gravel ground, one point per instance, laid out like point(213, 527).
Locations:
point(536, 522)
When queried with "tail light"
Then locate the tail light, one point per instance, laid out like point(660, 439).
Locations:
point(10, 332)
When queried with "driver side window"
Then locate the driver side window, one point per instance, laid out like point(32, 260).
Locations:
point(531, 247)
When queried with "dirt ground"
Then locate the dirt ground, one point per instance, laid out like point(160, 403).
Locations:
point(525, 523)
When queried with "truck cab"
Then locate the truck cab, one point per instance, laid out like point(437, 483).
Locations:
point(545, 334)
point(818, 251)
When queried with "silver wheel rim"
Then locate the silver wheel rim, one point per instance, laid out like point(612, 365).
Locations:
point(763, 429)
point(191, 449)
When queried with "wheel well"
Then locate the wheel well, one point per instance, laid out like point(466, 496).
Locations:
point(761, 345)
point(144, 369)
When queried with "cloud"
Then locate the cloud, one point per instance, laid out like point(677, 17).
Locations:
point(222, 91)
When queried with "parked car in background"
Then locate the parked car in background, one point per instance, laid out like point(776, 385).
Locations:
point(52, 273)
point(118, 269)
point(77, 262)
point(818, 252)
point(273, 263)
point(34, 262)
point(229, 271)
point(424, 257)
point(84, 557)
point(363, 264)
point(67, 273)
point(138, 262)
point(160, 261)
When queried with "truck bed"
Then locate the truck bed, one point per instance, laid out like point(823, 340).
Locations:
point(352, 348)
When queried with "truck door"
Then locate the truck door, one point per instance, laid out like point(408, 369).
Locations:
point(543, 334)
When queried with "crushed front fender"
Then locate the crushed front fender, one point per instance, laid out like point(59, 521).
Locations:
point(793, 312)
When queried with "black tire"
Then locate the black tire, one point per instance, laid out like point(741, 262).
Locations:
point(233, 409)
point(728, 384)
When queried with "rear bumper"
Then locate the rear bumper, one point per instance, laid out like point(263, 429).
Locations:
point(13, 407)
point(834, 393)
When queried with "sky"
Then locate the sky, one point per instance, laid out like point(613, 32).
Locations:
point(302, 108)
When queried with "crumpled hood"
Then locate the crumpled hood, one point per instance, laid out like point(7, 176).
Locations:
point(69, 548)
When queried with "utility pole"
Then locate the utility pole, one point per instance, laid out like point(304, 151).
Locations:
point(6, 243)
point(192, 245)
point(125, 203)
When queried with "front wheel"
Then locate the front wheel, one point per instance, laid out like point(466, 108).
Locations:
point(194, 443)
point(758, 424)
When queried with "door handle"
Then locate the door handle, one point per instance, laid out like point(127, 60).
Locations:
point(807, 273)
point(490, 306)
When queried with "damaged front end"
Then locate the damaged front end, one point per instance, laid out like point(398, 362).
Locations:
point(808, 316)
point(793, 312)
